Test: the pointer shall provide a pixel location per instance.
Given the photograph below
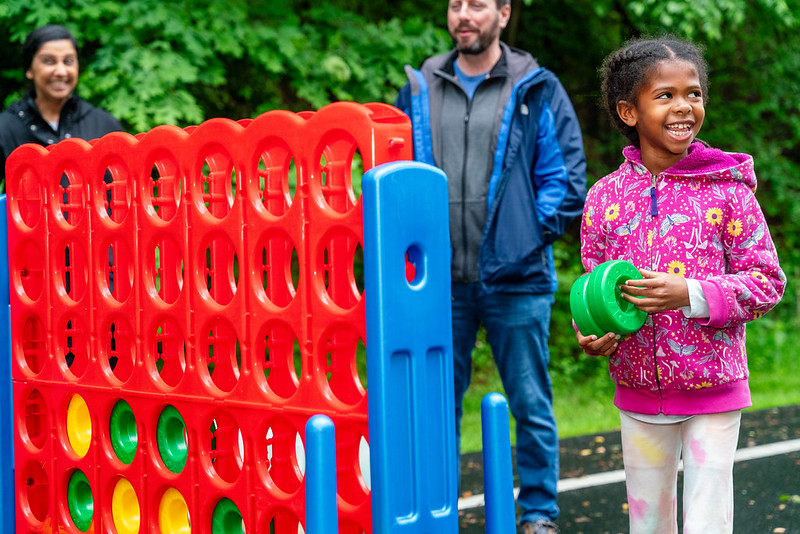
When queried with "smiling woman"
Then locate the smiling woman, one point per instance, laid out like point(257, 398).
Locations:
point(50, 111)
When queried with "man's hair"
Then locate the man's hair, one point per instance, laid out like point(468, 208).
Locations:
point(501, 3)
point(625, 72)
point(40, 36)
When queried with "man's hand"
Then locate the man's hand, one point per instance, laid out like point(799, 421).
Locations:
point(656, 292)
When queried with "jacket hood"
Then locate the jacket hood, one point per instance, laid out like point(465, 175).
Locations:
point(518, 61)
point(706, 162)
point(513, 62)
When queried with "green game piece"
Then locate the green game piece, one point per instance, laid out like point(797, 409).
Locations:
point(226, 518)
point(171, 439)
point(122, 432)
point(596, 301)
point(80, 500)
point(580, 308)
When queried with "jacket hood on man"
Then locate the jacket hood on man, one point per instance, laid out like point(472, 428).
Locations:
point(513, 62)
point(698, 219)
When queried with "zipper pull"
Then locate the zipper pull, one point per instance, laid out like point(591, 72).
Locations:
point(653, 200)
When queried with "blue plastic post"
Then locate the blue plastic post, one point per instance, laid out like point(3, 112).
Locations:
point(498, 481)
point(6, 397)
point(321, 511)
point(409, 349)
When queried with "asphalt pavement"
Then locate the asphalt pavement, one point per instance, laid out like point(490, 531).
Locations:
point(592, 489)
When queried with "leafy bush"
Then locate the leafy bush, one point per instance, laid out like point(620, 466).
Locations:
point(151, 63)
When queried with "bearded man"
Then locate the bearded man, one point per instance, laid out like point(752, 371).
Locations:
point(504, 131)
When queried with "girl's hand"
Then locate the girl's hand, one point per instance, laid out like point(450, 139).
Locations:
point(656, 292)
point(604, 346)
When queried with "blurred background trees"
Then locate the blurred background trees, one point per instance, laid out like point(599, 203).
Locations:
point(149, 62)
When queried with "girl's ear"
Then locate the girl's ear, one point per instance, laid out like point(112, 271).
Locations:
point(627, 112)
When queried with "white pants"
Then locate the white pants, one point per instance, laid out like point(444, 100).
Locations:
point(652, 452)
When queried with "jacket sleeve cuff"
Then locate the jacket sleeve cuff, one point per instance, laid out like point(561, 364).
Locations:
point(717, 305)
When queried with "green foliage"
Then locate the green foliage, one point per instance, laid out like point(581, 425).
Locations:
point(151, 63)
point(352, 60)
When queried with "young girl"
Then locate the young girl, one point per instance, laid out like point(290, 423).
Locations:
point(686, 216)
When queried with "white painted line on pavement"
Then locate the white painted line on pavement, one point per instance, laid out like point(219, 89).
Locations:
point(614, 477)
point(765, 451)
point(590, 481)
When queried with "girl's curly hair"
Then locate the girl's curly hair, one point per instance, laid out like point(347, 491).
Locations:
point(625, 71)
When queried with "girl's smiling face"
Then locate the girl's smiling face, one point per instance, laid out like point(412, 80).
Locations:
point(668, 113)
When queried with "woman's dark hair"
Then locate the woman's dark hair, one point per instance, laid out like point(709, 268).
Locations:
point(39, 36)
point(625, 72)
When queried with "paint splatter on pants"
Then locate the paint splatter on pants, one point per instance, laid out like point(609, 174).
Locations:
point(652, 453)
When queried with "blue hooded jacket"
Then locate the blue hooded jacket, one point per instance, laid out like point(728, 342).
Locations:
point(537, 184)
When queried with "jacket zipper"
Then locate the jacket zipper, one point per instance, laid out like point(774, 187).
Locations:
point(653, 198)
point(465, 265)
point(653, 217)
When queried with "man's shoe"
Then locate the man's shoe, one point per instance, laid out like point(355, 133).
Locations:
point(542, 526)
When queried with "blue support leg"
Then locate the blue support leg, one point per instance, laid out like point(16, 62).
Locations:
point(6, 396)
point(321, 509)
point(498, 481)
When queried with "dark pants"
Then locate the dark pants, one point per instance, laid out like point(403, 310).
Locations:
point(517, 329)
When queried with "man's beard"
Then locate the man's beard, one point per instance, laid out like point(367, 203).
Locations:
point(480, 45)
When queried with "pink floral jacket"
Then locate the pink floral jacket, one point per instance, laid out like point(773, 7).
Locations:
point(698, 219)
